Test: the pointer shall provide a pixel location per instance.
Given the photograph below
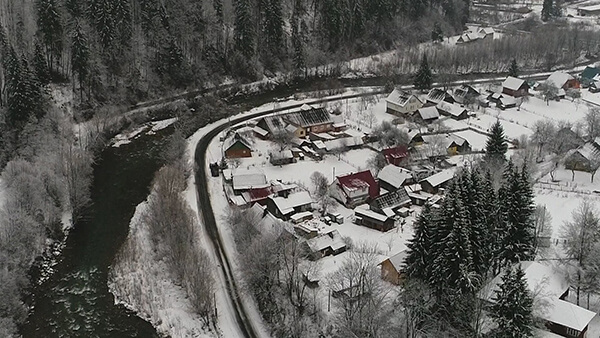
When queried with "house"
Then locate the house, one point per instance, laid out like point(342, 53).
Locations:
point(453, 110)
point(354, 189)
point(515, 87)
point(551, 288)
point(247, 179)
point(495, 97)
point(563, 80)
point(464, 94)
point(237, 146)
point(486, 32)
point(584, 158)
point(468, 37)
point(344, 143)
point(588, 76)
point(281, 157)
point(437, 95)
point(260, 195)
point(260, 133)
point(388, 203)
point(301, 123)
point(432, 184)
point(427, 114)
point(451, 143)
point(392, 178)
point(395, 155)
point(327, 244)
point(593, 10)
point(392, 269)
point(373, 220)
point(284, 207)
point(507, 102)
point(402, 103)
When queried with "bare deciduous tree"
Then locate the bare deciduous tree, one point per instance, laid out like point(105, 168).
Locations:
point(582, 235)
point(592, 123)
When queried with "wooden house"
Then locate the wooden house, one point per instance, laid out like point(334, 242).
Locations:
point(237, 147)
point(392, 177)
point(427, 114)
point(327, 244)
point(395, 155)
point(515, 87)
point(284, 207)
point(392, 269)
point(281, 157)
point(453, 110)
point(563, 80)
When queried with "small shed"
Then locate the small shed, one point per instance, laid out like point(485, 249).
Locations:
point(281, 157)
point(392, 269)
point(327, 244)
point(428, 114)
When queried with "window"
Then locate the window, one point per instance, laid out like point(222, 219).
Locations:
point(572, 332)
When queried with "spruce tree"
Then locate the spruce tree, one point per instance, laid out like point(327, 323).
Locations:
point(436, 34)
point(51, 29)
point(472, 195)
point(273, 26)
point(496, 145)
point(517, 223)
point(547, 9)
point(513, 70)
point(423, 78)
point(40, 65)
point(243, 31)
point(419, 254)
point(80, 55)
point(512, 306)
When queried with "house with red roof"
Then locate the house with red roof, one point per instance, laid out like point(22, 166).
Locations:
point(395, 155)
point(354, 189)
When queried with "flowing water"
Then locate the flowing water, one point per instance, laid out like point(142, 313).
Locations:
point(75, 301)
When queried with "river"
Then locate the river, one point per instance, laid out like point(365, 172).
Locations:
point(75, 301)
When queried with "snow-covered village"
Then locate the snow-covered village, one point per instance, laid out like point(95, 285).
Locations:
point(300, 169)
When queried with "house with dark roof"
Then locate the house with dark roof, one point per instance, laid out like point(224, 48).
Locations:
point(260, 195)
point(237, 146)
point(464, 93)
point(388, 203)
point(301, 123)
point(392, 269)
point(354, 189)
point(437, 95)
point(392, 178)
point(515, 87)
point(402, 103)
point(588, 76)
point(395, 155)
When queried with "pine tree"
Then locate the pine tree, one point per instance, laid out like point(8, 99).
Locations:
point(472, 195)
point(436, 34)
point(496, 145)
point(512, 307)
point(513, 70)
point(423, 79)
point(243, 32)
point(24, 97)
point(547, 10)
point(419, 254)
point(491, 220)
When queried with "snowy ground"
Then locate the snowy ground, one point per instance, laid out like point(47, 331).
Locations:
point(142, 283)
point(149, 128)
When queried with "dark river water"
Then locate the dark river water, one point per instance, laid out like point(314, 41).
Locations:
point(75, 301)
